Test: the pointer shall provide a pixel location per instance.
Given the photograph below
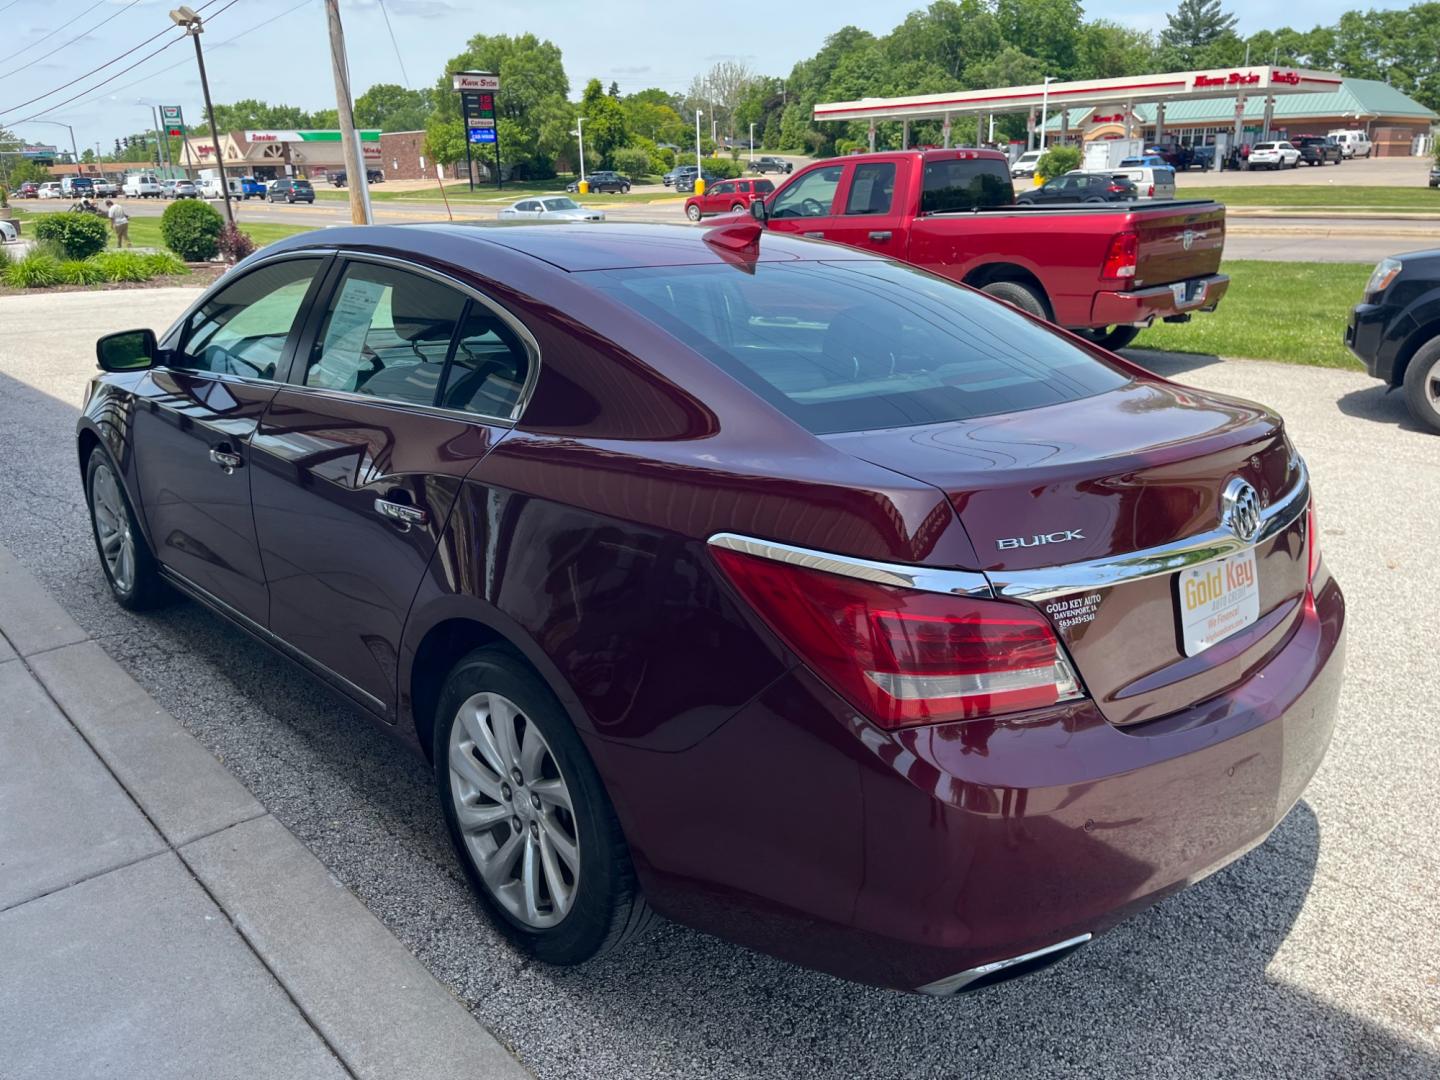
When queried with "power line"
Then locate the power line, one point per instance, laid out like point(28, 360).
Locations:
point(92, 71)
point(52, 33)
point(394, 44)
point(67, 44)
point(8, 6)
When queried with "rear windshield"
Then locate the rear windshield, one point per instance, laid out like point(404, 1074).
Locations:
point(302, 183)
point(853, 346)
point(966, 184)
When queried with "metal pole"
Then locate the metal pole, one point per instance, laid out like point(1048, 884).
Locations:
point(349, 137)
point(1044, 110)
point(161, 148)
point(499, 180)
point(74, 153)
point(752, 142)
point(469, 162)
point(580, 134)
point(194, 31)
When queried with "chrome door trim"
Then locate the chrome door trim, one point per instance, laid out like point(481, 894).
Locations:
point(279, 644)
point(923, 578)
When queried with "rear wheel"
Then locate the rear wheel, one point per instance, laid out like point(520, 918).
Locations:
point(528, 814)
point(1111, 337)
point(1022, 296)
point(738, 208)
point(1422, 385)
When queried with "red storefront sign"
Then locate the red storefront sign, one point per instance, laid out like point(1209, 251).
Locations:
point(1235, 78)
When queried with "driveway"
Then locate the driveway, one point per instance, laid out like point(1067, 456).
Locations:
point(1316, 955)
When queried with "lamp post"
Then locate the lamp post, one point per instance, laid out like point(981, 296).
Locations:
point(1045, 108)
point(74, 153)
point(581, 188)
point(189, 21)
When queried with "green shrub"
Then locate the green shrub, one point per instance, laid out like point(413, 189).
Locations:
point(631, 161)
point(163, 264)
point(5, 258)
point(81, 272)
point(191, 229)
point(33, 270)
point(125, 265)
point(1057, 161)
point(724, 168)
point(78, 235)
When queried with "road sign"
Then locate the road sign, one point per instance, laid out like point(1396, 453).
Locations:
point(480, 122)
point(475, 80)
point(170, 114)
point(482, 135)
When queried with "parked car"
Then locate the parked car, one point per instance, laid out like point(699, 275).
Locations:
point(1023, 167)
point(9, 231)
point(679, 170)
point(1395, 330)
point(727, 197)
point(251, 188)
point(372, 176)
point(1003, 637)
point(1352, 142)
point(1080, 187)
point(1434, 175)
point(769, 164)
point(291, 191)
point(106, 189)
point(182, 189)
point(51, 190)
point(77, 187)
point(1104, 271)
point(1152, 181)
point(28, 190)
point(550, 208)
point(686, 181)
point(601, 182)
point(141, 186)
point(1273, 155)
point(1318, 150)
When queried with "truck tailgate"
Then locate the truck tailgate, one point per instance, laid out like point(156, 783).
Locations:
point(1178, 243)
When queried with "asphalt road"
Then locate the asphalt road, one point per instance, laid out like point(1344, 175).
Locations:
point(1317, 955)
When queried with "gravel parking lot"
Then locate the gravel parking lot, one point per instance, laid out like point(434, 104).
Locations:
point(1316, 955)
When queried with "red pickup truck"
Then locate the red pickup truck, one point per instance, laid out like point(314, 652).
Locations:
point(1103, 271)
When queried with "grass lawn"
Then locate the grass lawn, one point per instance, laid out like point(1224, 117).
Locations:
point(1294, 312)
point(1329, 197)
point(145, 231)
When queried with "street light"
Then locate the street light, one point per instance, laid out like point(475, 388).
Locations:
point(189, 21)
point(74, 153)
point(580, 134)
point(1045, 109)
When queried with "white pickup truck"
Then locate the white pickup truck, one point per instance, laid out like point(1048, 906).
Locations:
point(141, 186)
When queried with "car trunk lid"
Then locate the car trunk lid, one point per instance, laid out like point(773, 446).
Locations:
point(1178, 242)
point(1088, 510)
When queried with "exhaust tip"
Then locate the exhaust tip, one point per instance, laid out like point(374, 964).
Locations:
point(998, 971)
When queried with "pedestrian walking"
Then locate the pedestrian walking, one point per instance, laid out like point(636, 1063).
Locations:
point(120, 222)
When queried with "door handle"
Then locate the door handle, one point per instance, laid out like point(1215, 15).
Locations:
point(882, 235)
point(403, 513)
point(227, 461)
point(814, 235)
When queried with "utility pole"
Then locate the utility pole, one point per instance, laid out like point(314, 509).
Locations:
point(189, 21)
point(349, 138)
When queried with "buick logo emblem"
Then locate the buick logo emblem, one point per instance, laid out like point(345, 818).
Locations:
point(1187, 239)
point(1240, 509)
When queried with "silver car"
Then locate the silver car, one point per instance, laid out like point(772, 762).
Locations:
point(550, 208)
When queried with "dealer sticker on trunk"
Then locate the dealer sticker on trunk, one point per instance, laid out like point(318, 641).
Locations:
point(1217, 599)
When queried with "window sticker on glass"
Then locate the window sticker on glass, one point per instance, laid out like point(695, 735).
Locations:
point(350, 323)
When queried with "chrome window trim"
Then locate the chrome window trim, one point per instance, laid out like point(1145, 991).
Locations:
point(1046, 582)
point(923, 578)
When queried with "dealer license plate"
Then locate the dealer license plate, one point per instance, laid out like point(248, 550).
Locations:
point(1216, 599)
point(1189, 293)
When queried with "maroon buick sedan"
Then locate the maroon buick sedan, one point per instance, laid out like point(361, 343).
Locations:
point(783, 590)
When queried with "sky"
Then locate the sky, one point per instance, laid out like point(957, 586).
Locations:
point(282, 56)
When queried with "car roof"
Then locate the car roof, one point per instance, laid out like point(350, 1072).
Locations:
point(570, 247)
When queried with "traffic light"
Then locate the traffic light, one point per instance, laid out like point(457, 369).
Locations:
point(117, 148)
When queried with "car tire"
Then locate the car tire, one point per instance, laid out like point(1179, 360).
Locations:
point(693, 212)
point(1422, 385)
point(129, 567)
point(737, 208)
point(1022, 296)
point(492, 709)
point(1113, 338)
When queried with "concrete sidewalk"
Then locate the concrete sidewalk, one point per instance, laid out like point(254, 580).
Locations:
point(156, 922)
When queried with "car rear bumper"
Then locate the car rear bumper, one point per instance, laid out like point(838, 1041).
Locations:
point(1161, 301)
point(912, 859)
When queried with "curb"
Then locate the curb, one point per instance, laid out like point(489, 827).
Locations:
point(377, 1009)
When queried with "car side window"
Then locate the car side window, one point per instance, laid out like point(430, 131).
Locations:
point(242, 329)
point(872, 188)
point(386, 334)
point(488, 367)
point(810, 196)
point(722, 188)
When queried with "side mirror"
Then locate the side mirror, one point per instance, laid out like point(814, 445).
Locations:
point(759, 210)
point(129, 350)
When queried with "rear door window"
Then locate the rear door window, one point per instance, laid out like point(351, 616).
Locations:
point(872, 189)
point(965, 184)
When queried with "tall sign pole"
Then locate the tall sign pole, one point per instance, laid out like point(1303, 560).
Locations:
point(190, 22)
point(349, 138)
point(477, 90)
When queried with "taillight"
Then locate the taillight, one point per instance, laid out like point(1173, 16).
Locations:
point(905, 657)
point(1150, 192)
point(1312, 540)
point(1115, 188)
point(1120, 259)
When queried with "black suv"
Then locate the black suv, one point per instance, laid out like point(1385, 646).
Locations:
point(1317, 150)
point(373, 176)
point(292, 191)
point(770, 164)
point(1396, 330)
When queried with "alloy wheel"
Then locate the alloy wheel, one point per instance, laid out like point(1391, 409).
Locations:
point(514, 810)
point(112, 528)
point(1432, 388)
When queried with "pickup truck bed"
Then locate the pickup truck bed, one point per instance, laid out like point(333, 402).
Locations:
point(1106, 270)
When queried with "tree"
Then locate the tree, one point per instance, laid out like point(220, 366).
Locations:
point(604, 120)
point(445, 139)
point(390, 107)
point(614, 90)
point(1194, 27)
point(1106, 50)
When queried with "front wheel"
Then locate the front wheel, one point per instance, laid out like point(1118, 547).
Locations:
point(692, 212)
point(130, 569)
point(1113, 338)
point(1422, 385)
point(528, 814)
